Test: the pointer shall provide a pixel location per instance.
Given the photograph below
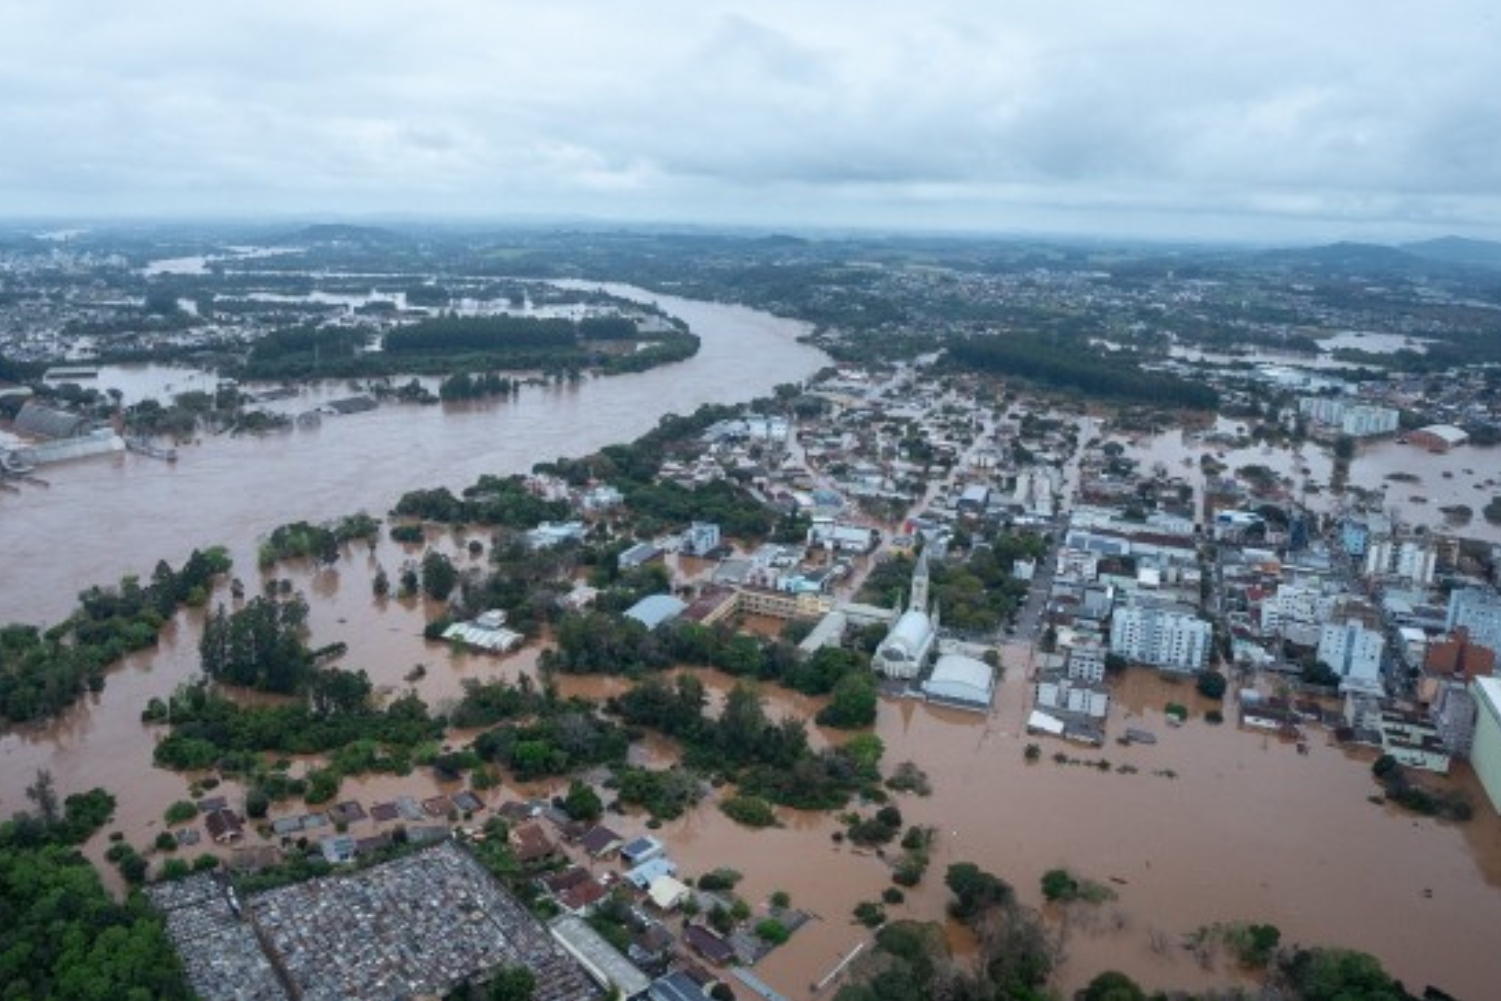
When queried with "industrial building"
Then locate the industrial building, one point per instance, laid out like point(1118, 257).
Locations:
point(961, 681)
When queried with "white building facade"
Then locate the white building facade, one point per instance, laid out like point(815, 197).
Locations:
point(1409, 560)
point(1479, 611)
point(1353, 651)
point(1170, 637)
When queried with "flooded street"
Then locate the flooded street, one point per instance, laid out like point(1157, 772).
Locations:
point(1247, 830)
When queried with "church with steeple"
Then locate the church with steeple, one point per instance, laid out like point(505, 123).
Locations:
point(909, 645)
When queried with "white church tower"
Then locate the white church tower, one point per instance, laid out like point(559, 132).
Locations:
point(919, 600)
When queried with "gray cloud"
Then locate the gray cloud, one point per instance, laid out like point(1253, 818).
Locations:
point(1325, 119)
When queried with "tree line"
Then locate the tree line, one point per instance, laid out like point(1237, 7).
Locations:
point(61, 934)
point(43, 672)
point(1073, 364)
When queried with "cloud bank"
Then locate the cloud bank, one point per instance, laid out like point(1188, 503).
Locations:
point(1141, 116)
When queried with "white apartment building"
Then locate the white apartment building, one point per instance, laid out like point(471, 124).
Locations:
point(1353, 651)
point(1478, 610)
point(1485, 749)
point(1364, 421)
point(1358, 420)
point(1166, 636)
point(1300, 604)
point(1410, 560)
point(1087, 664)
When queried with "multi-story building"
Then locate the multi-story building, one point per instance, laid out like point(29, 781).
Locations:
point(1062, 693)
point(1364, 421)
point(701, 538)
point(1356, 533)
point(1087, 663)
point(1485, 750)
point(1303, 604)
point(1453, 715)
point(1358, 420)
point(1167, 636)
point(1353, 651)
point(1477, 610)
point(1414, 741)
point(1408, 559)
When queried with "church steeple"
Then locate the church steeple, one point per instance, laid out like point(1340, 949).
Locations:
point(919, 599)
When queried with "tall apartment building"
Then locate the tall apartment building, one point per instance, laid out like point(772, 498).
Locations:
point(1453, 714)
point(1166, 636)
point(1353, 650)
point(1410, 560)
point(1358, 420)
point(1478, 610)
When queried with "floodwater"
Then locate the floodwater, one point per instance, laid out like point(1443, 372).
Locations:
point(1213, 825)
point(106, 517)
point(1245, 829)
point(98, 520)
point(1468, 475)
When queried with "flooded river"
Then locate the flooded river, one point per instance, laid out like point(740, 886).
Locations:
point(106, 517)
point(1211, 824)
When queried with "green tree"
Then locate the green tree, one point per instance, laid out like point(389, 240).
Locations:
point(43, 794)
point(1059, 884)
point(582, 802)
point(852, 704)
point(771, 930)
point(1211, 684)
point(1113, 986)
point(513, 983)
point(975, 890)
point(1340, 975)
point(439, 577)
point(333, 691)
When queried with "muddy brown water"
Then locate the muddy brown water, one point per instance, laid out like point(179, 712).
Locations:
point(1467, 475)
point(1247, 830)
point(106, 517)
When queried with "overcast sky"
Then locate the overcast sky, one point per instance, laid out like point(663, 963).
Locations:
point(1318, 119)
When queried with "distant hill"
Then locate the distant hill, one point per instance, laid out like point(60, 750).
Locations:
point(1457, 250)
point(327, 233)
point(1345, 257)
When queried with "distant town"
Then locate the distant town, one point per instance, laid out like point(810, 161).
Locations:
point(457, 748)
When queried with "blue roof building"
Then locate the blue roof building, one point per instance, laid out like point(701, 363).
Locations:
point(655, 609)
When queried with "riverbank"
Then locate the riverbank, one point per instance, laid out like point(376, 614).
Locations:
point(231, 490)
